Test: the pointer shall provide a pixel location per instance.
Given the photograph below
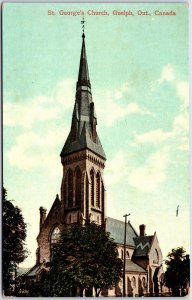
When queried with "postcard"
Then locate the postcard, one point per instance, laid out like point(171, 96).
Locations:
point(95, 149)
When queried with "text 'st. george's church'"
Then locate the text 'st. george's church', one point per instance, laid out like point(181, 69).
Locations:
point(83, 199)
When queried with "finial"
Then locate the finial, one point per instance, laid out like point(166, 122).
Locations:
point(83, 27)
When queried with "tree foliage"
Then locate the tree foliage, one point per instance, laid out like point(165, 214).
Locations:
point(84, 257)
point(178, 270)
point(13, 238)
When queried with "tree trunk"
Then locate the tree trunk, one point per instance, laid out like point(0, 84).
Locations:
point(97, 292)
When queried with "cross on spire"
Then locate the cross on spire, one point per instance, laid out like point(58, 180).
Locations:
point(83, 25)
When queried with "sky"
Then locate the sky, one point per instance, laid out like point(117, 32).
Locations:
point(138, 67)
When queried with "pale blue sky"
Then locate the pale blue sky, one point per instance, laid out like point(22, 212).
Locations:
point(138, 68)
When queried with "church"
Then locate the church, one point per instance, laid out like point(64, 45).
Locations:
point(83, 198)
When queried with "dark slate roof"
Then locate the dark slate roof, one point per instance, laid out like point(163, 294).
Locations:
point(84, 115)
point(32, 271)
point(22, 271)
point(83, 78)
point(116, 228)
point(142, 245)
point(84, 141)
point(130, 266)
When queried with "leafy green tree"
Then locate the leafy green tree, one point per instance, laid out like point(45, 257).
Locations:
point(178, 270)
point(13, 241)
point(84, 258)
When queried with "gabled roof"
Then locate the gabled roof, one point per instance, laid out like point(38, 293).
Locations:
point(130, 266)
point(142, 245)
point(117, 228)
point(56, 204)
point(32, 271)
point(22, 271)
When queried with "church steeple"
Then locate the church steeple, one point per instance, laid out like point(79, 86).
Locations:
point(83, 157)
point(83, 78)
point(83, 134)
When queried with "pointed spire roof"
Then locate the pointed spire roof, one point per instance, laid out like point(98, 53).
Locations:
point(83, 77)
point(83, 134)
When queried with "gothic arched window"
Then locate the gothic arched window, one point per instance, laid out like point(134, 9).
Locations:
point(70, 188)
point(155, 257)
point(87, 195)
point(98, 192)
point(133, 282)
point(92, 187)
point(102, 193)
point(144, 282)
point(78, 187)
point(55, 235)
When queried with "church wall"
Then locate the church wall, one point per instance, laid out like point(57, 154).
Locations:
point(155, 261)
point(135, 285)
point(43, 238)
point(86, 161)
point(120, 249)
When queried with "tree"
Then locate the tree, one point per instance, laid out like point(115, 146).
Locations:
point(13, 238)
point(84, 258)
point(178, 270)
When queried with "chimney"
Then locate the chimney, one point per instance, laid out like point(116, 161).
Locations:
point(42, 216)
point(142, 230)
point(187, 256)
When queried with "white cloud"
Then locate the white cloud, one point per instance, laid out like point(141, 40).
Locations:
point(145, 178)
point(148, 177)
point(183, 92)
point(116, 169)
point(33, 150)
point(153, 136)
point(41, 108)
point(126, 87)
point(26, 113)
point(180, 125)
point(110, 109)
point(167, 75)
point(65, 93)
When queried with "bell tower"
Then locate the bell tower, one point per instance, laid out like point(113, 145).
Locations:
point(83, 157)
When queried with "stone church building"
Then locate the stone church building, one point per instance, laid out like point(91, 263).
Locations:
point(83, 198)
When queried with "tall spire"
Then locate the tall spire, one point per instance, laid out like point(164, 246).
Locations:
point(83, 77)
point(83, 133)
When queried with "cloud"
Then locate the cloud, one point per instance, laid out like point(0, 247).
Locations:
point(168, 74)
point(180, 123)
point(65, 93)
point(153, 136)
point(145, 178)
point(33, 150)
point(25, 114)
point(183, 92)
point(112, 106)
point(116, 169)
point(126, 87)
point(148, 177)
point(41, 108)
